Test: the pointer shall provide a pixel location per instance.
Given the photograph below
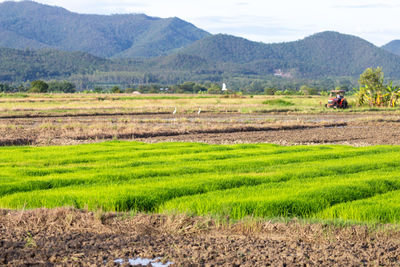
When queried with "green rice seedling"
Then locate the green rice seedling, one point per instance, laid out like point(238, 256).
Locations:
point(382, 208)
point(261, 180)
point(297, 198)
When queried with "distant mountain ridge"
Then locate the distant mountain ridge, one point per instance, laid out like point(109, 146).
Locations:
point(393, 47)
point(322, 54)
point(165, 48)
point(28, 24)
point(326, 54)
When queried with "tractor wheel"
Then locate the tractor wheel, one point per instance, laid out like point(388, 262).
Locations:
point(344, 105)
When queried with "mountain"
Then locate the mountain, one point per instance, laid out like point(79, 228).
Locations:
point(322, 54)
point(31, 25)
point(326, 54)
point(393, 47)
point(25, 65)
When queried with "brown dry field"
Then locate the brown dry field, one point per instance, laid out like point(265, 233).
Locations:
point(214, 128)
point(68, 237)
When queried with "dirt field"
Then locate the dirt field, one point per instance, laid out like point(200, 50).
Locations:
point(221, 128)
point(67, 237)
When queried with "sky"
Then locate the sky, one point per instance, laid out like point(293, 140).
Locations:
point(263, 20)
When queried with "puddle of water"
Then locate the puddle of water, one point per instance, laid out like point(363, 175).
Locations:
point(154, 262)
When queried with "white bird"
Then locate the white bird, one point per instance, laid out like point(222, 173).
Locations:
point(224, 87)
point(174, 111)
point(198, 112)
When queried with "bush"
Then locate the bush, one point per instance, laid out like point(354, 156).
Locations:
point(270, 91)
point(116, 90)
point(39, 86)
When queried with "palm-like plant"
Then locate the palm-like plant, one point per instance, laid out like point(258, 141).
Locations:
point(393, 93)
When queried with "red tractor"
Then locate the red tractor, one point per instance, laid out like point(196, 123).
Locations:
point(337, 99)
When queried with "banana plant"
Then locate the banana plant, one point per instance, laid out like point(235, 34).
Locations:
point(370, 95)
point(393, 93)
point(360, 95)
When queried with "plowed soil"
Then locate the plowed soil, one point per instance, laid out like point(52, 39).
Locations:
point(357, 134)
point(68, 237)
point(222, 128)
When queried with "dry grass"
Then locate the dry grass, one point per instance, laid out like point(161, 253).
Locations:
point(70, 219)
point(75, 130)
point(68, 119)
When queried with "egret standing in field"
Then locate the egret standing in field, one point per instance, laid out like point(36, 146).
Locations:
point(198, 112)
point(174, 111)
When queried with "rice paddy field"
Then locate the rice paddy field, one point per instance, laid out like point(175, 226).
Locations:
point(319, 182)
point(87, 179)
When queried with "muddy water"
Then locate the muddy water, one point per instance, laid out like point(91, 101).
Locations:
point(145, 262)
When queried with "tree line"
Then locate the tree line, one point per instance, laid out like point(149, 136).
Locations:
point(39, 86)
point(372, 90)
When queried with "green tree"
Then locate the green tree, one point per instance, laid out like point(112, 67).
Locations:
point(188, 87)
point(39, 86)
point(269, 91)
point(98, 89)
point(214, 89)
point(61, 86)
point(5, 87)
point(374, 92)
point(116, 90)
point(199, 88)
point(372, 79)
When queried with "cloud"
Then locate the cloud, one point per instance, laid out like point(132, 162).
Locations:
point(256, 28)
point(366, 6)
point(100, 6)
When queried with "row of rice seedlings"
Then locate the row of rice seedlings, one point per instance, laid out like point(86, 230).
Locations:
point(84, 175)
point(384, 208)
point(146, 196)
point(66, 159)
point(126, 155)
point(141, 172)
point(219, 161)
point(157, 190)
point(13, 154)
point(303, 198)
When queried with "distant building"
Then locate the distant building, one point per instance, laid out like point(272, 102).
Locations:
point(224, 87)
point(280, 73)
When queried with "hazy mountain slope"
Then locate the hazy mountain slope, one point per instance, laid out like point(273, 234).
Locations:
point(162, 38)
point(9, 38)
point(393, 47)
point(23, 65)
point(124, 35)
point(322, 54)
